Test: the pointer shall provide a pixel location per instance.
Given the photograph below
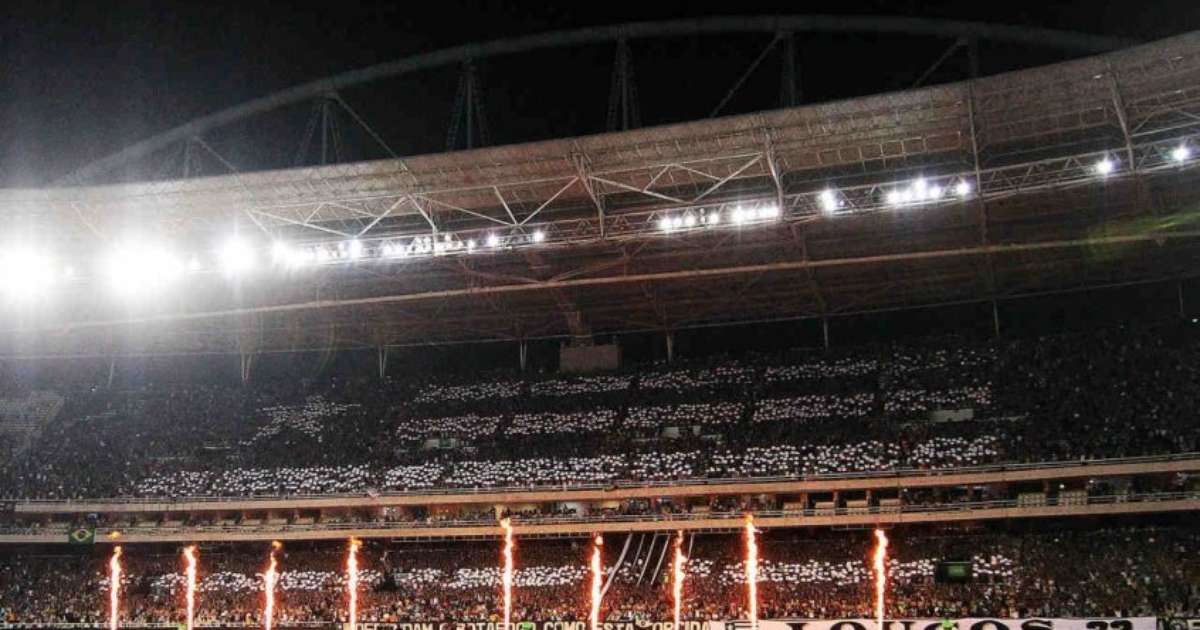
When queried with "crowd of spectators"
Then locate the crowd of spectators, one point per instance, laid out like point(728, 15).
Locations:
point(1109, 393)
point(1111, 572)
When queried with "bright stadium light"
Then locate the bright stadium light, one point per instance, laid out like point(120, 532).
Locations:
point(962, 188)
point(538, 236)
point(829, 201)
point(25, 273)
point(281, 253)
point(739, 215)
point(493, 240)
point(1105, 166)
point(1181, 153)
point(664, 223)
point(138, 267)
point(236, 256)
point(354, 249)
point(689, 220)
point(713, 218)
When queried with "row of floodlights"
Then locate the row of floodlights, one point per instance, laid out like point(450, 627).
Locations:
point(138, 267)
point(302, 256)
point(919, 191)
point(738, 215)
point(1107, 165)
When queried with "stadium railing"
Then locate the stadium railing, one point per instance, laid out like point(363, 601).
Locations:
point(634, 484)
point(734, 517)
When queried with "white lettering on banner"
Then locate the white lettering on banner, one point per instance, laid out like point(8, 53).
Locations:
point(971, 623)
point(982, 623)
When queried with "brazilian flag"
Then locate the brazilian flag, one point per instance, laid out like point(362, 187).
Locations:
point(82, 536)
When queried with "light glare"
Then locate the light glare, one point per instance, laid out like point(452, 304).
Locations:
point(236, 256)
point(829, 201)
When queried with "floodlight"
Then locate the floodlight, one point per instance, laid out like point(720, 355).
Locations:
point(829, 201)
point(236, 256)
point(25, 273)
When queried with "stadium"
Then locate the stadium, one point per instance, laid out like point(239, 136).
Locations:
point(927, 358)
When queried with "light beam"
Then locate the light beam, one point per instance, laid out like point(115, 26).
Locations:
point(751, 571)
point(114, 589)
point(881, 544)
point(597, 574)
point(270, 578)
point(678, 577)
point(352, 580)
point(507, 577)
point(189, 556)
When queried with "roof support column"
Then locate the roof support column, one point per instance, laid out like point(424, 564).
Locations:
point(382, 357)
point(247, 360)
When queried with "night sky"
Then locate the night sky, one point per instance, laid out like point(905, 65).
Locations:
point(81, 80)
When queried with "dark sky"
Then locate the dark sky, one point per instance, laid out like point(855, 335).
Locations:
point(83, 79)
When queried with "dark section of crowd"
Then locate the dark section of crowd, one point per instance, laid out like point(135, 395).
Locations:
point(937, 404)
point(1062, 570)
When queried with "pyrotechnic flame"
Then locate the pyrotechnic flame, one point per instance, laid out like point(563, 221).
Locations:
point(352, 580)
point(597, 569)
point(189, 555)
point(507, 578)
point(678, 575)
point(751, 571)
point(269, 579)
point(114, 589)
point(881, 543)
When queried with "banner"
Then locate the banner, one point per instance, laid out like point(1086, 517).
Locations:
point(983, 623)
point(1182, 623)
point(971, 623)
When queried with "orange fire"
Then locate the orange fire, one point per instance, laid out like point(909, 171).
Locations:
point(751, 571)
point(881, 544)
point(597, 569)
point(352, 580)
point(270, 578)
point(114, 589)
point(677, 582)
point(189, 555)
point(507, 578)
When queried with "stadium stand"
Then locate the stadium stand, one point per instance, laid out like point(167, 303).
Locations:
point(1108, 393)
point(1114, 571)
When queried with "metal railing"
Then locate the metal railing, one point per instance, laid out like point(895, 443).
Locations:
point(626, 484)
point(589, 520)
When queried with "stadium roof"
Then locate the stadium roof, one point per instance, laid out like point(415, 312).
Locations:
point(816, 211)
